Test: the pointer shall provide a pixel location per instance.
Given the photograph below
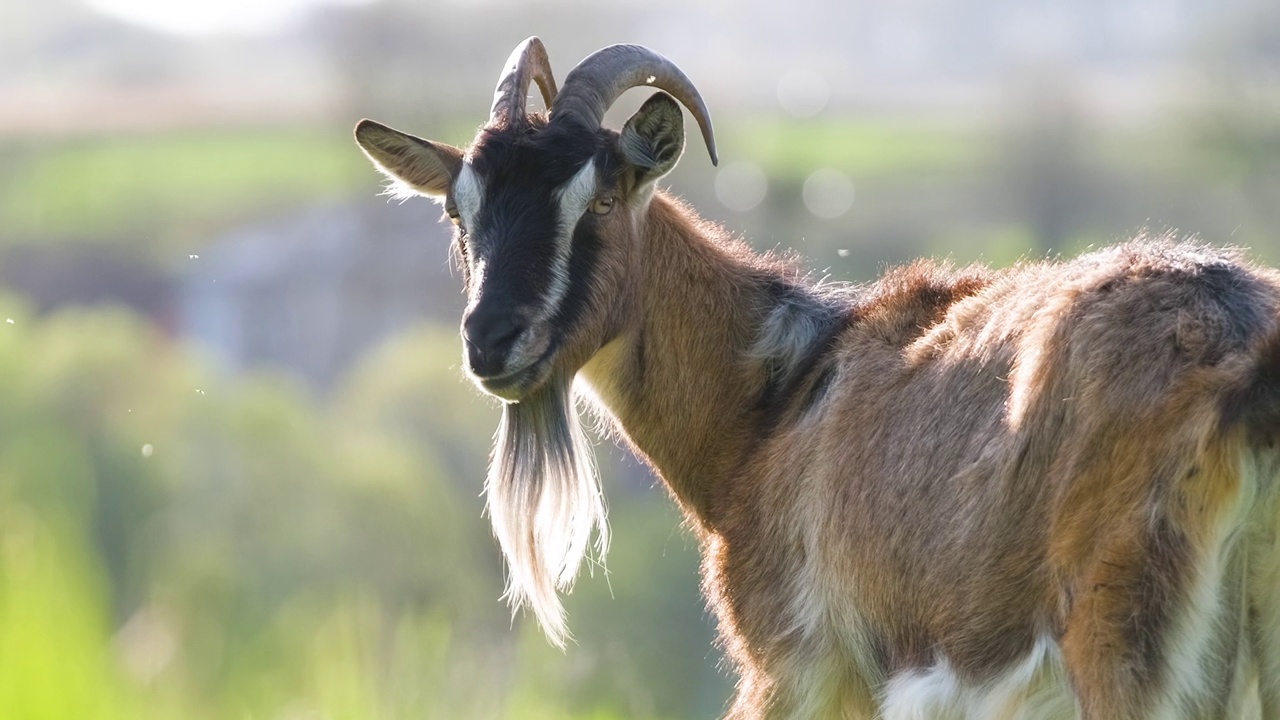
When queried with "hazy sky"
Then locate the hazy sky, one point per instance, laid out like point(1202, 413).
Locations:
point(200, 17)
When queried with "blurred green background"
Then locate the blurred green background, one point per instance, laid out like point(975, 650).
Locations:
point(239, 466)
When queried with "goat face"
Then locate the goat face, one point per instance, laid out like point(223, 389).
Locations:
point(548, 212)
point(546, 219)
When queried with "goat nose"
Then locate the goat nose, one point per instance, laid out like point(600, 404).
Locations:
point(489, 337)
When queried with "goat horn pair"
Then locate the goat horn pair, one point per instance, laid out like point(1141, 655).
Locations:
point(593, 86)
point(527, 62)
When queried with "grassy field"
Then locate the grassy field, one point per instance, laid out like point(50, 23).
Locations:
point(869, 149)
point(161, 195)
point(173, 190)
point(169, 189)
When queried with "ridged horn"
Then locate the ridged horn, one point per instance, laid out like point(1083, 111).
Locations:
point(527, 62)
point(591, 87)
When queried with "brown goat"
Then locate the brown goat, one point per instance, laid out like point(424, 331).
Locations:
point(1040, 492)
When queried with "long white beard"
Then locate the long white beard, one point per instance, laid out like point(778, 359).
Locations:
point(544, 501)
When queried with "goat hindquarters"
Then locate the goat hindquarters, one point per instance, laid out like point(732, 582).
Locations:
point(1175, 611)
point(1255, 408)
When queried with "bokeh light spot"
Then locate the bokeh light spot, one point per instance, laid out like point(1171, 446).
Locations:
point(828, 193)
point(803, 93)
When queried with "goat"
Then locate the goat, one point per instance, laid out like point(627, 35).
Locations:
point(1047, 491)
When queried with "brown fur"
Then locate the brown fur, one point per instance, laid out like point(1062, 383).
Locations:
point(1001, 455)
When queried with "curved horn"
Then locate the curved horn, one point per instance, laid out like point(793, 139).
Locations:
point(527, 62)
point(592, 86)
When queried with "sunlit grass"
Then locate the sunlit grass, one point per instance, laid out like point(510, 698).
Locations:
point(170, 187)
point(173, 190)
point(869, 149)
point(56, 659)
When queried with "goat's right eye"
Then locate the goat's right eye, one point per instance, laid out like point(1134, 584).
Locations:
point(601, 205)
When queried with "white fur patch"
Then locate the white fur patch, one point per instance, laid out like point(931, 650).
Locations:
point(1034, 689)
point(792, 326)
point(468, 194)
point(788, 332)
point(573, 198)
point(1193, 636)
point(834, 658)
point(1262, 468)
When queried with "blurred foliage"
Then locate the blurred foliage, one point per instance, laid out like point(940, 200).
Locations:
point(179, 544)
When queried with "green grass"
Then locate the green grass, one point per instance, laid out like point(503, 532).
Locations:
point(168, 188)
point(173, 190)
point(867, 149)
point(56, 660)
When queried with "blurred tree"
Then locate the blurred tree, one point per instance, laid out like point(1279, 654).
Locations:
point(1043, 156)
point(1234, 128)
point(221, 547)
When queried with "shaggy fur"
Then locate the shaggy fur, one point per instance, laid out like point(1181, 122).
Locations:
point(995, 460)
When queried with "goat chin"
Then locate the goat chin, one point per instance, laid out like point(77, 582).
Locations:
point(544, 501)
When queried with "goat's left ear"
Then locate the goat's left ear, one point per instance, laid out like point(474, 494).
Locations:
point(414, 165)
point(653, 139)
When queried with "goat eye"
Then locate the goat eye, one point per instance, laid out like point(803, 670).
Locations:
point(456, 219)
point(601, 206)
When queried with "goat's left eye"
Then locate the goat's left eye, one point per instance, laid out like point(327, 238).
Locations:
point(601, 206)
point(456, 219)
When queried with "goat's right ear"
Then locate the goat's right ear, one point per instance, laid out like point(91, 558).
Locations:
point(415, 166)
point(653, 139)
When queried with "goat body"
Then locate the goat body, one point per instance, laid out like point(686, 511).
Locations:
point(1040, 492)
point(1037, 492)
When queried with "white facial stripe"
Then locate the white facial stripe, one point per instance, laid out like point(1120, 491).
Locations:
point(573, 197)
point(577, 192)
point(468, 191)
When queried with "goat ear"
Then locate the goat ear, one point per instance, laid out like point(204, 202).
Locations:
point(653, 139)
point(415, 166)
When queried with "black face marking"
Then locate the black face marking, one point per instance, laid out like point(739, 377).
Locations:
point(517, 232)
point(583, 258)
